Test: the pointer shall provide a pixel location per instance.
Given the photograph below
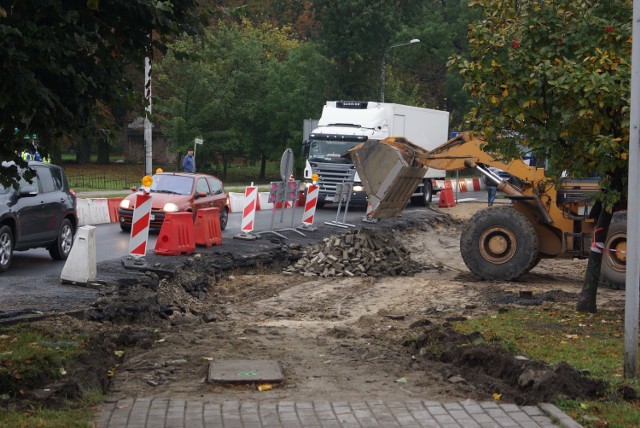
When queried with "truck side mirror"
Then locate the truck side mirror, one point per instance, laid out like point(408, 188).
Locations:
point(304, 150)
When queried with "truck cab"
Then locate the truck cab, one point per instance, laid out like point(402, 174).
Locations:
point(344, 124)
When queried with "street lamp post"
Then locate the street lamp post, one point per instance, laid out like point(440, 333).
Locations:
point(384, 61)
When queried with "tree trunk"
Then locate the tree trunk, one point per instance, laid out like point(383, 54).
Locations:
point(263, 166)
point(103, 151)
point(587, 298)
point(84, 157)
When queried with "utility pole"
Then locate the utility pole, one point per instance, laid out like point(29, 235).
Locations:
point(148, 136)
point(632, 278)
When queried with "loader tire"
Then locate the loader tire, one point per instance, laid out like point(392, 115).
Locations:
point(614, 255)
point(499, 243)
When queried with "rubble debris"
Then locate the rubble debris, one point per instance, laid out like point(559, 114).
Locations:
point(359, 252)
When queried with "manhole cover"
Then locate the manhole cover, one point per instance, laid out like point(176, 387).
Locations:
point(245, 371)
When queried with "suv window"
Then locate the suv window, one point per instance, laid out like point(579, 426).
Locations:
point(47, 184)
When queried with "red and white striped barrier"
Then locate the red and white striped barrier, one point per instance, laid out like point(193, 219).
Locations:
point(249, 209)
point(140, 225)
point(462, 184)
point(310, 205)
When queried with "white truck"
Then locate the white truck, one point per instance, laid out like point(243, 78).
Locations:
point(344, 124)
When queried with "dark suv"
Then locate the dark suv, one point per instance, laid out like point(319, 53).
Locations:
point(40, 214)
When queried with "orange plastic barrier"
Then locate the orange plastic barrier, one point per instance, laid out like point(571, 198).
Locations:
point(113, 204)
point(446, 197)
point(177, 235)
point(207, 227)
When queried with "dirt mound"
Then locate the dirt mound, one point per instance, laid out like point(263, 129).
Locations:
point(493, 370)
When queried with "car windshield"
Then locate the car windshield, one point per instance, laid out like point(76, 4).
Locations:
point(329, 151)
point(176, 184)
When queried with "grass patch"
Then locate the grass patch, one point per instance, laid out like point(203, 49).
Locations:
point(69, 418)
point(30, 359)
point(28, 356)
point(590, 342)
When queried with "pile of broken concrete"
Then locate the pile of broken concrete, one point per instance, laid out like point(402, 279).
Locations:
point(359, 252)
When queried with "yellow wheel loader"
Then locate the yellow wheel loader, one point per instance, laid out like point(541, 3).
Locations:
point(546, 219)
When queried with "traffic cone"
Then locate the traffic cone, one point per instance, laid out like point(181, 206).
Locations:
point(446, 198)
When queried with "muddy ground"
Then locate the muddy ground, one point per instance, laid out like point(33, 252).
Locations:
point(336, 338)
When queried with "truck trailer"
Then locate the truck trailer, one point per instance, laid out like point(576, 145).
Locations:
point(344, 124)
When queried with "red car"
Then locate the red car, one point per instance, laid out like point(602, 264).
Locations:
point(178, 192)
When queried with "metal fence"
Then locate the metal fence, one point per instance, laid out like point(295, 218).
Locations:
point(102, 182)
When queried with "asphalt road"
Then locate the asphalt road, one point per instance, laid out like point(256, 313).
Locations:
point(34, 277)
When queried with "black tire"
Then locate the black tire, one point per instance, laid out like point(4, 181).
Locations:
point(62, 247)
point(499, 243)
point(425, 198)
point(125, 227)
point(6, 247)
point(224, 218)
point(614, 256)
point(320, 203)
point(534, 263)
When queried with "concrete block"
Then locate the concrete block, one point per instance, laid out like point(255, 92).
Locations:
point(81, 267)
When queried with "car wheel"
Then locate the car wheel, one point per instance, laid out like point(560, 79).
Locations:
point(6, 247)
point(224, 218)
point(614, 256)
point(499, 243)
point(125, 227)
point(62, 247)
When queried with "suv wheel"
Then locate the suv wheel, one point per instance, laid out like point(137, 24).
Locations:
point(62, 247)
point(6, 247)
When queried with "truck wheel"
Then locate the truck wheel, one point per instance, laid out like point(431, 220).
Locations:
point(6, 247)
point(614, 256)
point(425, 198)
point(499, 243)
point(61, 248)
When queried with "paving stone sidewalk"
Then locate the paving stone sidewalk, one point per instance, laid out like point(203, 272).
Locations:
point(172, 413)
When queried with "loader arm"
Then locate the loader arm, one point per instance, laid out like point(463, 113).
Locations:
point(391, 169)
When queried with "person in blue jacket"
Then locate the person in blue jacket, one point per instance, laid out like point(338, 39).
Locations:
point(188, 163)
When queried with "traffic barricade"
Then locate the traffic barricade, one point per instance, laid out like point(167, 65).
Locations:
point(140, 225)
point(207, 227)
point(177, 235)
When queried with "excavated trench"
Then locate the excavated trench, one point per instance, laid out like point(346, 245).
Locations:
point(133, 310)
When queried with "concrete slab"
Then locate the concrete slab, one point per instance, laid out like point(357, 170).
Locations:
point(245, 371)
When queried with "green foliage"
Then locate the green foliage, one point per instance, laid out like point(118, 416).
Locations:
point(245, 90)
point(554, 77)
point(60, 57)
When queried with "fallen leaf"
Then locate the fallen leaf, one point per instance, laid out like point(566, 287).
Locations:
point(401, 380)
point(119, 353)
point(496, 396)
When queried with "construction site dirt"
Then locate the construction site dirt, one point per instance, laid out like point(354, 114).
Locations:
point(347, 314)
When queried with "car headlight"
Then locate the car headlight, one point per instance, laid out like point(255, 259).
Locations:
point(358, 188)
point(170, 207)
point(125, 204)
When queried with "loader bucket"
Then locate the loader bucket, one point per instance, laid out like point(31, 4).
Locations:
point(389, 173)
